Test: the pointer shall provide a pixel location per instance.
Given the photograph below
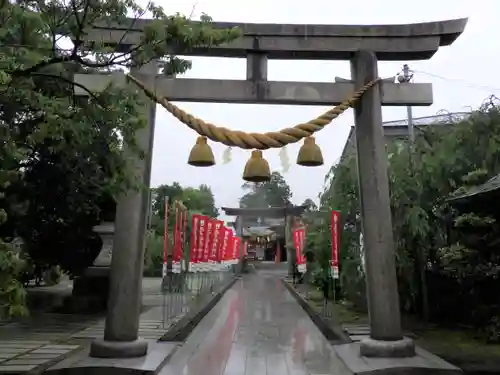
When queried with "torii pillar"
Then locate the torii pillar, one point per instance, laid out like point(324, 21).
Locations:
point(386, 338)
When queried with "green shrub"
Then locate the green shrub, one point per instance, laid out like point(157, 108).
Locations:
point(12, 292)
point(52, 276)
point(153, 257)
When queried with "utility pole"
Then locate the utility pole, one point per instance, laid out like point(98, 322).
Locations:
point(407, 77)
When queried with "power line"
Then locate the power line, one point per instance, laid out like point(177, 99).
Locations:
point(461, 81)
point(193, 9)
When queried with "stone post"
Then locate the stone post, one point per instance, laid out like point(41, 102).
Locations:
point(290, 250)
point(239, 232)
point(386, 339)
point(125, 295)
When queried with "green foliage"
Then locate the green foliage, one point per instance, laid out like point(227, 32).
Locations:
point(62, 161)
point(310, 205)
point(166, 37)
point(273, 193)
point(12, 293)
point(341, 194)
point(153, 257)
point(196, 200)
point(446, 251)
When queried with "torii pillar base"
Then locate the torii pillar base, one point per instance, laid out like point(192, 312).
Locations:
point(118, 349)
point(387, 349)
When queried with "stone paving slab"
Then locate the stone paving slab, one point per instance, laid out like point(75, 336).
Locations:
point(22, 356)
point(48, 337)
point(45, 328)
point(148, 329)
point(257, 328)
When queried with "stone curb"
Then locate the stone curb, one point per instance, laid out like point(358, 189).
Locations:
point(181, 330)
point(80, 364)
point(336, 336)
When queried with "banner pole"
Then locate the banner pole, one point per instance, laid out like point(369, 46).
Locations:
point(165, 238)
point(185, 242)
point(334, 290)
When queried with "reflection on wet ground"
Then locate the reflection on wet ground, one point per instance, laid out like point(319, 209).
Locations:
point(257, 328)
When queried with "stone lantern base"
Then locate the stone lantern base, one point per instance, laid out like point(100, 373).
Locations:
point(91, 289)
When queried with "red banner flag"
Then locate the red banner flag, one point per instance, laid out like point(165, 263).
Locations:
point(184, 230)
point(216, 241)
point(202, 238)
point(298, 241)
point(236, 248)
point(227, 240)
point(195, 238)
point(296, 244)
point(303, 244)
point(177, 251)
point(335, 238)
point(209, 233)
point(175, 235)
point(165, 236)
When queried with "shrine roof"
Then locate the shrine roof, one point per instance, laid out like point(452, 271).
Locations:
point(492, 185)
point(271, 212)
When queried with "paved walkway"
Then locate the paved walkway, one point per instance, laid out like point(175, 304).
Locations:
point(43, 339)
point(257, 328)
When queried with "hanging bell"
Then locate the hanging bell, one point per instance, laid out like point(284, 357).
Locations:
point(257, 168)
point(310, 154)
point(201, 154)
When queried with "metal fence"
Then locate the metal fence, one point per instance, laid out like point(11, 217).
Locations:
point(327, 310)
point(184, 291)
point(325, 307)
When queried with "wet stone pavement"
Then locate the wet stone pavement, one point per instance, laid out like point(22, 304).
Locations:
point(257, 328)
point(42, 339)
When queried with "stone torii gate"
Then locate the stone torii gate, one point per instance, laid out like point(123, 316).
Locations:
point(363, 46)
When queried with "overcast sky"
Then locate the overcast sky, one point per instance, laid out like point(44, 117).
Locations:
point(468, 71)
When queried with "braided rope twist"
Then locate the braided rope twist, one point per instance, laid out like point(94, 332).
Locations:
point(259, 141)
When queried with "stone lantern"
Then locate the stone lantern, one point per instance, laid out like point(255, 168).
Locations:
point(91, 289)
point(106, 231)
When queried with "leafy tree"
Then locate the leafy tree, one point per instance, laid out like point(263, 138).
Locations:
point(341, 194)
point(310, 205)
point(200, 200)
point(12, 294)
point(446, 251)
point(61, 160)
point(273, 193)
point(196, 200)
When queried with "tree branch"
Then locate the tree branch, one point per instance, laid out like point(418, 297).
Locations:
point(71, 83)
point(40, 65)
